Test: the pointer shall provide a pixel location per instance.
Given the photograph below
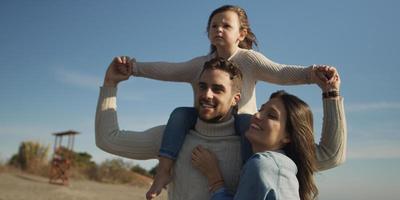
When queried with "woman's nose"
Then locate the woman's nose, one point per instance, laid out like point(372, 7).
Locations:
point(256, 115)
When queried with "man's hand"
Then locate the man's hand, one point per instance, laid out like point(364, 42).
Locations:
point(119, 70)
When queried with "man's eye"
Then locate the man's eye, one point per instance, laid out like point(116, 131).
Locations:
point(202, 87)
point(217, 90)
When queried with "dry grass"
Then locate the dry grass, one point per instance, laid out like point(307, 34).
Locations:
point(32, 158)
point(2, 168)
point(37, 187)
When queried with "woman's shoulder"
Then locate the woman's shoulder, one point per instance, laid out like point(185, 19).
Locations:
point(271, 160)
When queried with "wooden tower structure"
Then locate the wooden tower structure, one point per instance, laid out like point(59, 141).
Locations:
point(62, 157)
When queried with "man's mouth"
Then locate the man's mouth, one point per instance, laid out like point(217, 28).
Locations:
point(207, 105)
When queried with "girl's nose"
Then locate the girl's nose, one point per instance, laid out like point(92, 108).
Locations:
point(219, 29)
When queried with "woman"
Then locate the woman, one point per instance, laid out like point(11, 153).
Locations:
point(283, 164)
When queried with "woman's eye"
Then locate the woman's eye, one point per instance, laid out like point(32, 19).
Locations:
point(272, 116)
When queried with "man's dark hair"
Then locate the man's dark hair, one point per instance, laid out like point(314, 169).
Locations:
point(225, 65)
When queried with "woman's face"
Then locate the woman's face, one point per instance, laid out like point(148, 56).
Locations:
point(268, 127)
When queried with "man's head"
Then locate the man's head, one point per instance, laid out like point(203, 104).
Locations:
point(218, 90)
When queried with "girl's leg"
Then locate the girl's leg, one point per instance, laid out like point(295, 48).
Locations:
point(242, 123)
point(181, 120)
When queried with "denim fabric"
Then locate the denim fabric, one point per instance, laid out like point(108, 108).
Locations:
point(181, 120)
point(221, 194)
point(242, 123)
point(266, 176)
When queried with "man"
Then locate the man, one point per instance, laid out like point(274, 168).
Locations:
point(217, 94)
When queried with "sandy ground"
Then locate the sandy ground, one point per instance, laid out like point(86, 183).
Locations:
point(21, 186)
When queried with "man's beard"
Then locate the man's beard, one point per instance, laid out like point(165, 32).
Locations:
point(215, 119)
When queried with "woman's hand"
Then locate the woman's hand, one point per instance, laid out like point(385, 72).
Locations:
point(120, 69)
point(206, 162)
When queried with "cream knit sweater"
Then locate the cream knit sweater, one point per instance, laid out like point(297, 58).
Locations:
point(254, 66)
point(187, 183)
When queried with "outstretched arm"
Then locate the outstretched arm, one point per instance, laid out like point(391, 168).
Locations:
point(331, 150)
point(168, 71)
point(130, 144)
point(267, 70)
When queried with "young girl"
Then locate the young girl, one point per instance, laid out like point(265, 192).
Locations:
point(231, 38)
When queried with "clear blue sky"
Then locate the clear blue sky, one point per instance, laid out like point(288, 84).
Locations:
point(53, 55)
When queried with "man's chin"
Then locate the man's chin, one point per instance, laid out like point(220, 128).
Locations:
point(209, 118)
point(205, 117)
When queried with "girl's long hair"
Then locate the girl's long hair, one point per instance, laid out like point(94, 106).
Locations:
point(250, 40)
point(301, 149)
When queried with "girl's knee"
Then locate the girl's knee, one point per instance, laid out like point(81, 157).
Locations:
point(183, 112)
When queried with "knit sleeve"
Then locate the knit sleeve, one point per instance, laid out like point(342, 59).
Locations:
point(130, 144)
point(168, 71)
point(265, 69)
point(331, 150)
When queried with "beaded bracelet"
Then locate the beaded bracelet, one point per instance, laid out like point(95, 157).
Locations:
point(217, 183)
point(333, 93)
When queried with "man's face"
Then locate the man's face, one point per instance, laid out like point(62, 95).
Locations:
point(215, 97)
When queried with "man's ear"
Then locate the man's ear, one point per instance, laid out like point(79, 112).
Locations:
point(236, 99)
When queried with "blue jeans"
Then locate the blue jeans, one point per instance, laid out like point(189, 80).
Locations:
point(183, 119)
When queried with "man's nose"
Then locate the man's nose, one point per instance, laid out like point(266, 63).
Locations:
point(208, 94)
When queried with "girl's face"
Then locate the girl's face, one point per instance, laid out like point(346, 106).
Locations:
point(224, 31)
point(267, 128)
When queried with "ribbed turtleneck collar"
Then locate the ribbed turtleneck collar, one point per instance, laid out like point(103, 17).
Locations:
point(213, 55)
point(215, 129)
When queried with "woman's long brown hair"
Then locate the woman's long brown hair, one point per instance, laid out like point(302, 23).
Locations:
point(301, 149)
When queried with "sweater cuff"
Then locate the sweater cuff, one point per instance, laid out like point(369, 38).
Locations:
point(108, 91)
point(310, 70)
point(108, 98)
point(136, 65)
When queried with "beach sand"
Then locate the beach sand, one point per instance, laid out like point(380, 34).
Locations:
point(22, 186)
